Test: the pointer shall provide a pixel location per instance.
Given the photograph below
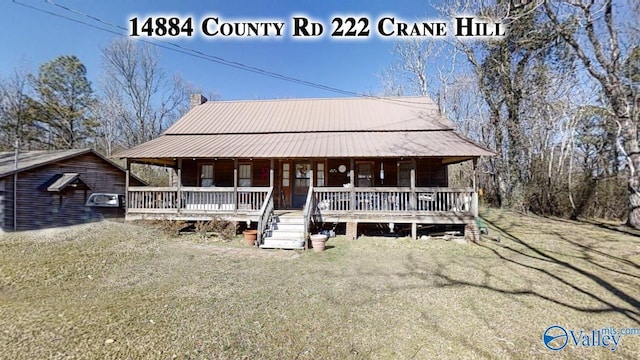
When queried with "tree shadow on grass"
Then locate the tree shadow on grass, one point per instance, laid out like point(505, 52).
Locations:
point(618, 228)
point(632, 312)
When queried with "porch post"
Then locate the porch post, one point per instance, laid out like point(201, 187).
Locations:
point(126, 187)
point(235, 185)
point(271, 174)
point(475, 174)
point(352, 177)
point(179, 192)
point(413, 200)
point(474, 196)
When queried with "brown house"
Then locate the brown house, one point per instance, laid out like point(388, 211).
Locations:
point(342, 160)
point(58, 188)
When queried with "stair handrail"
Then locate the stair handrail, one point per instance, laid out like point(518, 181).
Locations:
point(263, 217)
point(308, 211)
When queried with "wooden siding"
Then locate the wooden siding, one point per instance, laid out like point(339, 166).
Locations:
point(431, 172)
point(7, 222)
point(190, 173)
point(38, 208)
point(3, 206)
point(224, 173)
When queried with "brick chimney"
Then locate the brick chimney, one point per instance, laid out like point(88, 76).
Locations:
point(197, 99)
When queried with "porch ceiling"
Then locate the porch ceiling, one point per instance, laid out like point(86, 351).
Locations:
point(442, 143)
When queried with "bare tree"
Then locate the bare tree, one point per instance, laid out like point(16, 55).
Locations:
point(591, 31)
point(423, 68)
point(110, 133)
point(138, 95)
point(15, 117)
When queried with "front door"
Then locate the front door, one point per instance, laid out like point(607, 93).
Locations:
point(301, 182)
point(284, 182)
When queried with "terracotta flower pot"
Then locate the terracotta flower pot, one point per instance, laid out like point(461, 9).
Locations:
point(318, 242)
point(250, 236)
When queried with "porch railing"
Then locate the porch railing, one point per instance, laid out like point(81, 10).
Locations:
point(266, 211)
point(142, 199)
point(395, 200)
point(308, 211)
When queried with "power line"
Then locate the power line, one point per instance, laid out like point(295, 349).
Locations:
point(171, 46)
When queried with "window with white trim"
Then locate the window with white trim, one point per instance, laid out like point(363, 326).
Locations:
point(244, 175)
point(286, 175)
point(206, 175)
point(320, 174)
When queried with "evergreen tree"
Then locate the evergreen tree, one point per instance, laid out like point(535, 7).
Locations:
point(64, 103)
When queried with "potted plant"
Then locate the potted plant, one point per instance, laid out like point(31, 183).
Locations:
point(318, 242)
point(250, 236)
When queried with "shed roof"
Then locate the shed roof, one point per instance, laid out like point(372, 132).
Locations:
point(28, 160)
point(31, 159)
point(335, 127)
point(62, 181)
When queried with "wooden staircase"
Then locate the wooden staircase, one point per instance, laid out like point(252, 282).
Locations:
point(286, 231)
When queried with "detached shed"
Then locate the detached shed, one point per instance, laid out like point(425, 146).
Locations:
point(57, 188)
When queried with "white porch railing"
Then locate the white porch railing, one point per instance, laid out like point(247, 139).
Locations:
point(327, 200)
point(395, 200)
point(143, 199)
point(310, 207)
point(266, 212)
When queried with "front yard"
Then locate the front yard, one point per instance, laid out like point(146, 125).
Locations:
point(111, 290)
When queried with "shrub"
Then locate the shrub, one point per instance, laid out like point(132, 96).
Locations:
point(223, 229)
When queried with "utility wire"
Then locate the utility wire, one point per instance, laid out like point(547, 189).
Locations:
point(171, 46)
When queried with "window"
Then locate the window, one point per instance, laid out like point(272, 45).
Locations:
point(364, 174)
point(286, 175)
point(320, 174)
point(206, 175)
point(302, 178)
point(244, 175)
point(404, 174)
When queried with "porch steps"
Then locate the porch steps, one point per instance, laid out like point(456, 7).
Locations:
point(286, 231)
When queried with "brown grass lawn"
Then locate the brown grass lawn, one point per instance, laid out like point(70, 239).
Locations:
point(111, 290)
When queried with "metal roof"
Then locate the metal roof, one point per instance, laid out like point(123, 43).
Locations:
point(312, 115)
point(350, 144)
point(342, 127)
point(28, 160)
point(31, 159)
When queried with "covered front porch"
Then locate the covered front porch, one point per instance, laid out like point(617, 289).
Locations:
point(363, 190)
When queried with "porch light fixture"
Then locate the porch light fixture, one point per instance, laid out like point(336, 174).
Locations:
point(381, 171)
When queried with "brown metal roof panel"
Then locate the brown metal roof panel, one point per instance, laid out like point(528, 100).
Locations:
point(309, 115)
point(352, 144)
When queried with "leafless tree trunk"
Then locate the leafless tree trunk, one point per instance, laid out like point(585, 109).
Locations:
point(589, 28)
point(15, 121)
point(138, 94)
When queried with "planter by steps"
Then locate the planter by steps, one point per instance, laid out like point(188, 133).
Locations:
point(250, 236)
point(318, 241)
